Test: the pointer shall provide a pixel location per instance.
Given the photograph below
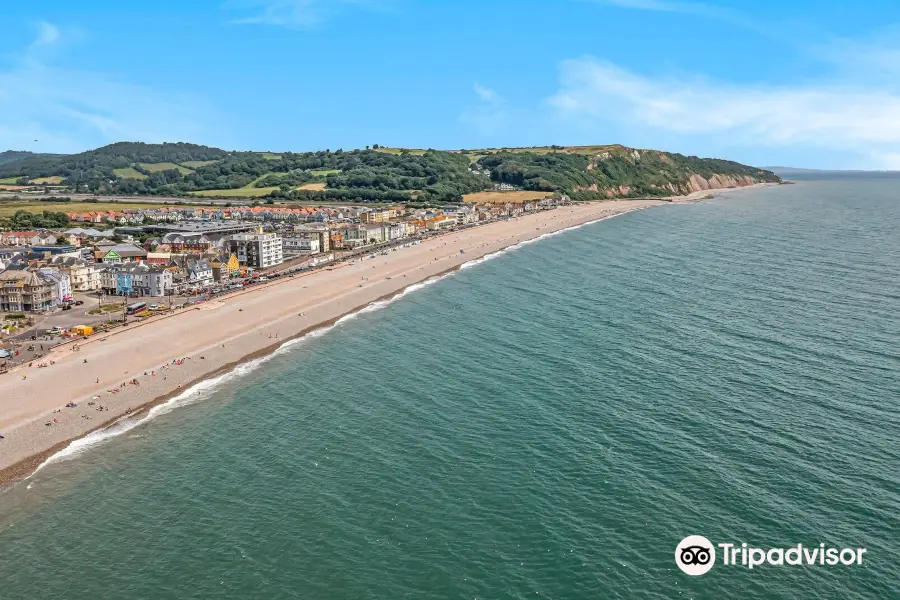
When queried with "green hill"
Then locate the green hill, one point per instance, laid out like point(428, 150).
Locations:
point(380, 174)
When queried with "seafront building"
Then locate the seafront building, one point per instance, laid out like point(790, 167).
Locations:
point(28, 291)
point(83, 276)
point(257, 250)
point(137, 279)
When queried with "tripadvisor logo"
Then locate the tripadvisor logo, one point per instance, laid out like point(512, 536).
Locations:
point(696, 555)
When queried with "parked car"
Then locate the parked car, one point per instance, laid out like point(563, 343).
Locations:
point(79, 302)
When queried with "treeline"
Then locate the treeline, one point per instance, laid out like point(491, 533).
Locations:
point(24, 220)
point(357, 175)
point(372, 176)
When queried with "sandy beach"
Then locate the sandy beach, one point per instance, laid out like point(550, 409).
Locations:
point(165, 358)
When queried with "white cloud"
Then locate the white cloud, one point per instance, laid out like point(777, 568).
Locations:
point(489, 116)
point(688, 8)
point(48, 34)
point(487, 94)
point(862, 119)
point(67, 110)
point(298, 14)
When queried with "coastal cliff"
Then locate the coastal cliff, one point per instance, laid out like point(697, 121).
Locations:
point(601, 172)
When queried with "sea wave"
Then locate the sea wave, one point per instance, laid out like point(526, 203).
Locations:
point(493, 255)
point(204, 389)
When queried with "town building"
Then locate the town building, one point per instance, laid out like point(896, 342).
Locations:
point(123, 253)
point(26, 291)
point(466, 215)
point(379, 215)
point(62, 285)
point(297, 242)
point(28, 238)
point(320, 230)
point(257, 250)
point(83, 276)
point(137, 279)
point(198, 274)
point(225, 267)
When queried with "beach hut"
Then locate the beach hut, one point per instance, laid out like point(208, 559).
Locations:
point(82, 330)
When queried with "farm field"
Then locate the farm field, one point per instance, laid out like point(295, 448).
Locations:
point(54, 180)
point(196, 164)
point(544, 150)
point(324, 172)
point(244, 192)
point(270, 156)
point(128, 173)
point(10, 206)
point(164, 166)
point(11, 180)
point(413, 151)
point(504, 197)
point(318, 187)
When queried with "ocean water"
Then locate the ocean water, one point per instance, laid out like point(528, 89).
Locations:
point(546, 424)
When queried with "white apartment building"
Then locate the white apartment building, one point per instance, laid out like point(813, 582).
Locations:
point(257, 250)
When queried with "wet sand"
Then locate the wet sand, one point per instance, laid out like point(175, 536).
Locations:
point(216, 336)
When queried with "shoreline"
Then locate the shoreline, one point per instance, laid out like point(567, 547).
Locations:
point(26, 468)
point(27, 461)
point(132, 404)
point(702, 194)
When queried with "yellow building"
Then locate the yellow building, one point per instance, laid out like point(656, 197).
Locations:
point(379, 215)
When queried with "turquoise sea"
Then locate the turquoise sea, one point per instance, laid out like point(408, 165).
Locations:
point(549, 423)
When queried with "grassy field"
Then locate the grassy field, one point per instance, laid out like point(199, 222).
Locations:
point(10, 206)
point(9, 180)
point(13, 188)
point(164, 166)
point(55, 180)
point(129, 173)
point(196, 164)
point(504, 197)
point(318, 187)
point(244, 192)
point(414, 151)
point(248, 191)
point(270, 156)
point(324, 172)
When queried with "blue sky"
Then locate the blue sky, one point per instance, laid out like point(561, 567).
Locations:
point(794, 82)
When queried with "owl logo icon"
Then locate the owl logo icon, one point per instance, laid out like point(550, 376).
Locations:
point(695, 555)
